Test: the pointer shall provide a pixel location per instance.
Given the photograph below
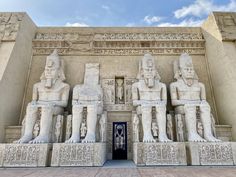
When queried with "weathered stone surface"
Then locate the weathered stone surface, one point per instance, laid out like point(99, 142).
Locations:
point(220, 153)
point(24, 155)
point(78, 154)
point(146, 154)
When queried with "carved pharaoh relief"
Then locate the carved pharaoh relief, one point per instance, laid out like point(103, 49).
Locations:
point(9, 25)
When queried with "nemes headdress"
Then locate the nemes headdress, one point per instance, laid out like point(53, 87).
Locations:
point(147, 61)
point(54, 61)
point(185, 60)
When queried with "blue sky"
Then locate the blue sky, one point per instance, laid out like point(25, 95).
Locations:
point(118, 12)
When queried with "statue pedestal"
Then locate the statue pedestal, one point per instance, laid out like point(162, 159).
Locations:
point(147, 154)
point(24, 155)
point(78, 154)
point(220, 153)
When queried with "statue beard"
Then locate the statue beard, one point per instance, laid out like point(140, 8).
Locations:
point(48, 83)
point(150, 82)
point(188, 81)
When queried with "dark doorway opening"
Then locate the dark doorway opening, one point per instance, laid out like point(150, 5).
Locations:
point(119, 147)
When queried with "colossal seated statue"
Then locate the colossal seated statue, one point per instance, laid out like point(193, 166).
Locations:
point(149, 93)
point(50, 97)
point(187, 94)
point(88, 95)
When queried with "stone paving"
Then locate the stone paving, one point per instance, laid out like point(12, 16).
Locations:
point(120, 172)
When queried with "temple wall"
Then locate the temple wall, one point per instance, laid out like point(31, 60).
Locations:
point(221, 52)
point(15, 57)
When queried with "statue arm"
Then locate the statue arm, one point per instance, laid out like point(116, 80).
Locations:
point(174, 95)
point(35, 93)
point(64, 98)
point(75, 96)
point(135, 97)
point(164, 94)
point(202, 92)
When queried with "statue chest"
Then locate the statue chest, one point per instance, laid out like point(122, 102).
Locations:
point(146, 93)
point(189, 93)
point(49, 94)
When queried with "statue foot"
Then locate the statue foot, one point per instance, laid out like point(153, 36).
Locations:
point(196, 138)
point(89, 139)
point(148, 139)
point(24, 139)
point(40, 139)
point(73, 139)
point(211, 139)
point(163, 138)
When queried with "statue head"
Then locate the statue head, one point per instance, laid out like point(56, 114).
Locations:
point(147, 70)
point(185, 69)
point(53, 69)
point(91, 76)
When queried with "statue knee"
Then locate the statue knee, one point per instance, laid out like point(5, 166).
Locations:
point(92, 109)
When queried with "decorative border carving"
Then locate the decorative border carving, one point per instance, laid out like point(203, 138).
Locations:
point(119, 43)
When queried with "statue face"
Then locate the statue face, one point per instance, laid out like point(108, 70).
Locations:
point(51, 73)
point(148, 71)
point(187, 72)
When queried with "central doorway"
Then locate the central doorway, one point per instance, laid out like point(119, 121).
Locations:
point(119, 141)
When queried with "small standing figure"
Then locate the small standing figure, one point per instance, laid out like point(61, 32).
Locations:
point(36, 129)
point(83, 129)
point(119, 91)
point(180, 129)
point(200, 128)
point(170, 127)
point(136, 128)
point(102, 123)
point(58, 128)
point(154, 129)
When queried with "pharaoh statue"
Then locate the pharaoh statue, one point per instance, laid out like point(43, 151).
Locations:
point(188, 94)
point(149, 93)
point(88, 95)
point(50, 97)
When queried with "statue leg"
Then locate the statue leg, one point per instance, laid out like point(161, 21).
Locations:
point(191, 122)
point(205, 112)
point(147, 122)
point(161, 122)
point(45, 125)
point(30, 119)
point(77, 117)
point(91, 124)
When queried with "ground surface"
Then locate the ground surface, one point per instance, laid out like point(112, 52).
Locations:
point(120, 169)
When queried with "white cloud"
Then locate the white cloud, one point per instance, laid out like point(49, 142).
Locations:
point(203, 7)
point(130, 25)
point(185, 23)
point(76, 24)
point(153, 19)
point(106, 7)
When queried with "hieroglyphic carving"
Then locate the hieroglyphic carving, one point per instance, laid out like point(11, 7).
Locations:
point(215, 153)
point(119, 43)
point(108, 86)
point(25, 155)
point(160, 153)
point(146, 36)
point(227, 24)
point(79, 154)
point(9, 25)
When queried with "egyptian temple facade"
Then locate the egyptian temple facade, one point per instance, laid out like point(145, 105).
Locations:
point(104, 63)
